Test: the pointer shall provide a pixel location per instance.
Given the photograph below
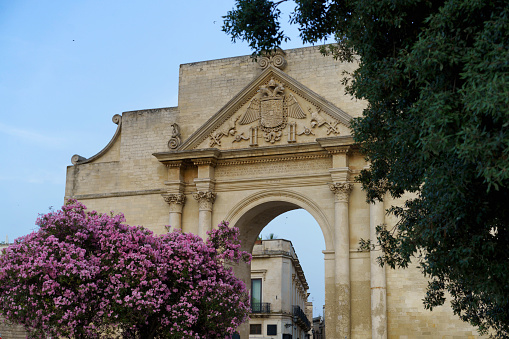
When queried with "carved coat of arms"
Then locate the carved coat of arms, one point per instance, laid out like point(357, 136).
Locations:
point(272, 108)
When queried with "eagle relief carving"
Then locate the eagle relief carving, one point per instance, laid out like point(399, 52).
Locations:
point(272, 109)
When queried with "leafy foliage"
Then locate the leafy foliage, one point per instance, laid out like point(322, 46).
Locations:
point(254, 22)
point(87, 275)
point(436, 77)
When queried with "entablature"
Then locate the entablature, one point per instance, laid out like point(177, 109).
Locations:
point(321, 148)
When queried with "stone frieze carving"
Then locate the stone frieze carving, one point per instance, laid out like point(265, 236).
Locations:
point(318, 121)
point(306, 131)
point(240, 137)
point(205, 199)
point(274, 112)
point(226, 130)
point(174, 141)
point(341, 190)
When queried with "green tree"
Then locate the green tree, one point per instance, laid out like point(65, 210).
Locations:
point(435, 75)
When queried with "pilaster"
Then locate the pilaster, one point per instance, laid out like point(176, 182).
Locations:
point(330, 294)
point(341, 192)
point(175, 180)
point(205, 181)
point(378, 279)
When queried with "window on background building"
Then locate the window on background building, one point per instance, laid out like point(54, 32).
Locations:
point(271, 329)
point(255, 329)
point(256, 295)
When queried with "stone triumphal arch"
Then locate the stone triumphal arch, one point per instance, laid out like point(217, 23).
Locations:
point(247, 142)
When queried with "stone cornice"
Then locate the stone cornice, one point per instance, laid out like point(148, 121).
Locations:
point(114, 194)
point(322, 147)
point(212, 161)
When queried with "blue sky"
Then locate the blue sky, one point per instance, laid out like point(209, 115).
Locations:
point(66, 67)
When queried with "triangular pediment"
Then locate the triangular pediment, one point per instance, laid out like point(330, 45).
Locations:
point(274, 109)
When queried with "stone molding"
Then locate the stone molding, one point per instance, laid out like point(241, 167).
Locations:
point(175, 163)
point(113, 194)
point(340, 150)
point(207, 161)
point(205, 200)
point(275, 159)
point(78, 159)
point(341, 190)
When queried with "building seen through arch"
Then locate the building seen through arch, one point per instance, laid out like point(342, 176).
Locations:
point(279, 293)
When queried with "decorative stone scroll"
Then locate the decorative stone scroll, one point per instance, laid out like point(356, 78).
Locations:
point(276, 59)
point(341, 190)
point(78, 159)
point(175, 137)
point(205, 200)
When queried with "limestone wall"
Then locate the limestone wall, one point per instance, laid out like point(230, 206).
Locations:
point(407, 317)
point(128, 178)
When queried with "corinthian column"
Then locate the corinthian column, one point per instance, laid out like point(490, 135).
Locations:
point(205, 201)
point(176, 202)
point(378, 282)
point(342, 258)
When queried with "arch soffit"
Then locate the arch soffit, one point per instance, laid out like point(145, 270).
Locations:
point(300, 200)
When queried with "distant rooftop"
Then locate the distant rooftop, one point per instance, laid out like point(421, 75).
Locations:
point(280, 247)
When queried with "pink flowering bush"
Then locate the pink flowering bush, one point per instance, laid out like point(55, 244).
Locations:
point(88, 275)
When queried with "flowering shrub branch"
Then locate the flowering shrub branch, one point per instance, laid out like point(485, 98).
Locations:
point(87, 275)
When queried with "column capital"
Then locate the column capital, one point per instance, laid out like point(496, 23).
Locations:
point(341, 190)
point(175, 200)
point(205, 199)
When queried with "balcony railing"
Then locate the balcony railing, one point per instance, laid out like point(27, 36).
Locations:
point(260, 308)
point(300, 318)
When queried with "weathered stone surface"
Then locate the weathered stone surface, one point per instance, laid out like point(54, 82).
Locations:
point(11, 331)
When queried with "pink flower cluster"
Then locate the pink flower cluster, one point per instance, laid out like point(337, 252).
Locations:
point(88, 275)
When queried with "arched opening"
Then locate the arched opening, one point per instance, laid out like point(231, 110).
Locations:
point(266, 213)
point(303, 231)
